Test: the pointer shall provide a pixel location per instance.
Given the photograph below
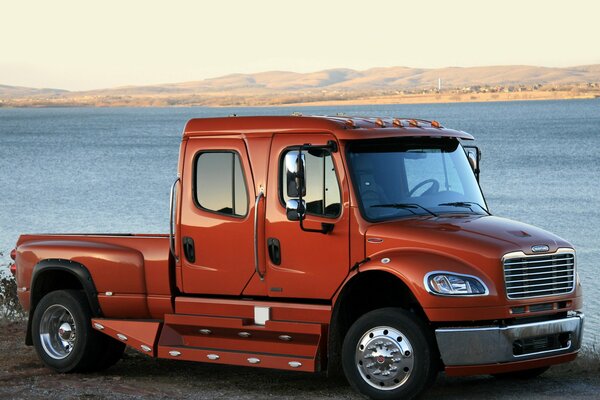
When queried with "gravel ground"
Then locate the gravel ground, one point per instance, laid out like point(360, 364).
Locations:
point(22, 376)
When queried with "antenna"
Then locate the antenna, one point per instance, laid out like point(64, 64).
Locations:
point(439, 84)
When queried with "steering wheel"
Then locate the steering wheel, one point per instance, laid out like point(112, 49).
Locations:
point(435, 186)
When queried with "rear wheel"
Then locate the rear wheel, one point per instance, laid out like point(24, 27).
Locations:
point(62, 334)
point(387, 354)
point(113, 352)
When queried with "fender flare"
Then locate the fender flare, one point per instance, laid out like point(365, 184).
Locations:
point(334, 339)
point(77, 270)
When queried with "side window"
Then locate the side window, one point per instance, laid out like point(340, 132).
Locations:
point(219, 183)
point(322, 188)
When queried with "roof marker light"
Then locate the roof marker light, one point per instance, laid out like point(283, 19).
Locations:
point(380, 122)
point(398, 122)
point(413, 122)
point(436, 124)
point(350, 123)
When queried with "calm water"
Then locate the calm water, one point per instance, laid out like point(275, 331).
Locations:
point(109, 170)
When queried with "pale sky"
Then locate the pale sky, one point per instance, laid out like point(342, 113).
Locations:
point(88, 45)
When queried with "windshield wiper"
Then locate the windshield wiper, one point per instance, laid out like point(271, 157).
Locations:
point(406, 206)
point(465, 204)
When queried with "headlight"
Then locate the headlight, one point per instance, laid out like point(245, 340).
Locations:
point(451, 284)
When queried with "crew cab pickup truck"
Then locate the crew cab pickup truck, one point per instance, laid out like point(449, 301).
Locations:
point(310, 243)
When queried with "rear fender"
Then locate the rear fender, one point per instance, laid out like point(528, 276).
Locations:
point(78, 275)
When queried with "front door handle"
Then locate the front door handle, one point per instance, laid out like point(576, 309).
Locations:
point(274, 250)
point(188, 249)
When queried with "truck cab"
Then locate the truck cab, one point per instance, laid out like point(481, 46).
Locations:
point(314, 243)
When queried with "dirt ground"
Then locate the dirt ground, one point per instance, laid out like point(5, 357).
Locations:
point(22, 376)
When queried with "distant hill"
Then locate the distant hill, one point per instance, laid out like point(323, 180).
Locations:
point(397, 78)
point(10, 92)
point(340, 84)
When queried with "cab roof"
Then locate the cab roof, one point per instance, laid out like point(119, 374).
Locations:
point(341, 126)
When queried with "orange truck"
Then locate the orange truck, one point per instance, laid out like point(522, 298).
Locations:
point(314, 243)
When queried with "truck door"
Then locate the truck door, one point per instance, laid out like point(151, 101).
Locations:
point(304, 264)
point(216, 231)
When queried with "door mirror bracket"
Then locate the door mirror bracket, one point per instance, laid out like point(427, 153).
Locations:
point(296, 211)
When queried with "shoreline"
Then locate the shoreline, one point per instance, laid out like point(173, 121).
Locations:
point(451, 99)
point(263, 101)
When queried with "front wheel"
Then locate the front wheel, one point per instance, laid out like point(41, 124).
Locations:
point(387, 354)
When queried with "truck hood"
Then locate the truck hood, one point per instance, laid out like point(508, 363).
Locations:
point(467, 237)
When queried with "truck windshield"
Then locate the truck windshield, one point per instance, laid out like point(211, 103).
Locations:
point(400, 177)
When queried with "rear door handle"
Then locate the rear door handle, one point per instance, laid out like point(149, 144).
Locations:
point(274, 250)
point(188, 249)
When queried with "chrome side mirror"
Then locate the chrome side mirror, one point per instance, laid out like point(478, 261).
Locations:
point(295, 209)
point(295, 163)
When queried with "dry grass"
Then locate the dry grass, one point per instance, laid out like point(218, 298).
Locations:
point(10, 308)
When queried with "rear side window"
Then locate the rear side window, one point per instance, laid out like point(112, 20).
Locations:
point(219, 183)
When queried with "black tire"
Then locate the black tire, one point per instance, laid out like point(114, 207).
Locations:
point(385, 339)
point(523, 375)
point(62, 333)
point(113, 352)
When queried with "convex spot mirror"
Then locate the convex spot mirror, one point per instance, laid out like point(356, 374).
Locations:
point(472, 159)
point(474, 156)
point(295, 209)
point(295, 163)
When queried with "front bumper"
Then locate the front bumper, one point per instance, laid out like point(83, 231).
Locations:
point(495, 344)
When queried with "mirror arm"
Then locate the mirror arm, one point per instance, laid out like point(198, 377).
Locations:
point(331, 145)
point(325, 227)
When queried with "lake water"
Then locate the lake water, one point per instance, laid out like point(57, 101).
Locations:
point(109, 170)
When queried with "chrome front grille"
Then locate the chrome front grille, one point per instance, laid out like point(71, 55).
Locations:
point(527, 276)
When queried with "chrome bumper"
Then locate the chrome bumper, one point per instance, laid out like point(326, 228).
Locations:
point(491, 345)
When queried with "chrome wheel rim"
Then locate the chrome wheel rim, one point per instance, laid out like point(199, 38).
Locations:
point(58, 332)
point(384, 358)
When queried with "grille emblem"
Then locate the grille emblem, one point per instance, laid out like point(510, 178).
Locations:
point(540, 248)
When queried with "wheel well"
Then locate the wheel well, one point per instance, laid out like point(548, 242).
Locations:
point(49, 281)
point(366, 292)
point(51, 275)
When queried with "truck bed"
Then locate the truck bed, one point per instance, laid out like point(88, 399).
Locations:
point(129, 273)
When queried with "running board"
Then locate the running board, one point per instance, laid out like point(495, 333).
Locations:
point(237, 341)
point(139, 335)
point(288, 336)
